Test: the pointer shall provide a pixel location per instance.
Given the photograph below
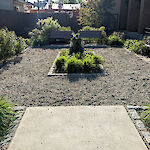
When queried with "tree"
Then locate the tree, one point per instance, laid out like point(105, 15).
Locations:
point(94, 12)
point(89, 13)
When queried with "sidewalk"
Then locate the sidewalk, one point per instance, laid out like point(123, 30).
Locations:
point(77, 128)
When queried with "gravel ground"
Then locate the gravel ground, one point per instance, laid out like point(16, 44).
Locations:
point(24, 80)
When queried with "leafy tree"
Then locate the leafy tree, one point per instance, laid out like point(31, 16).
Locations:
point(93, 12)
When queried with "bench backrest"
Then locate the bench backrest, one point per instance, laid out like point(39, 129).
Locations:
point(60, 34)
point(68, 34)
point(90, 34)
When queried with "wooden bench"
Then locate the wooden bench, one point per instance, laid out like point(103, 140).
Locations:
point(60, 34)
point(65, 36)
point(68, 34)
point(90, 34)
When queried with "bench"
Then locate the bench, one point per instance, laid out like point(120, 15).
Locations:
point(90, 34)
point(60, 34)
point(68, 34)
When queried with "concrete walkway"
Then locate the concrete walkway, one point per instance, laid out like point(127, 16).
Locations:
point(77, 128)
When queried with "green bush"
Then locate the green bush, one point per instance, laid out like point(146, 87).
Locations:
point(6, 116)
point(136, 46)
point(10, 44)
point(88, 53)
point(64, 53)
point(60, 63)
point(88, 65)
point(129, 43)
point(86, 62)
point(73, 65)
point(40, 35)
point(139, 48)
point(146, 116)
point(103, 40)
point(65, 29)
point(116, 39)
point(98, 59)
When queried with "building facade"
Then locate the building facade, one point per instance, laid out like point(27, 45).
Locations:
point(134, 15)
point(19, 5)
point(11, 5)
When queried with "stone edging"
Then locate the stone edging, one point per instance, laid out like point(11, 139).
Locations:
point(132, 111)
point(51, 71)
point(7, 139)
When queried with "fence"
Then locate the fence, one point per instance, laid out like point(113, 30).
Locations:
point(22, 23)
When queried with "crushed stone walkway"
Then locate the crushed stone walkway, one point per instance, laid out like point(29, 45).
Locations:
point(24, 80)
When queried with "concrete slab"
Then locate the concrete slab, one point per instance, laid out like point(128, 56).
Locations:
point(77, 128)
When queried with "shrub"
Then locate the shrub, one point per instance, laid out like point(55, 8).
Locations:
point(10, 44)
point(136, 46)
point(73, 65)
point(86, 62)
point(64, 53)
point(88, 65)
point(6, 116)
point(98, 59)
point(60, 63)
point(88, 53)
point(139, 48)
point(116, 39)
point(129, 43)
point(40, 35)
point(146, 116)
point(65, 29)
point(103, 40)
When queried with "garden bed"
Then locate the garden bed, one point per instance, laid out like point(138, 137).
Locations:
point(53, 71)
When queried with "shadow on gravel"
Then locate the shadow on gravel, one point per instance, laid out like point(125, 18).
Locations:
point(55, 47)
point(74, 78)
point(6, 64)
